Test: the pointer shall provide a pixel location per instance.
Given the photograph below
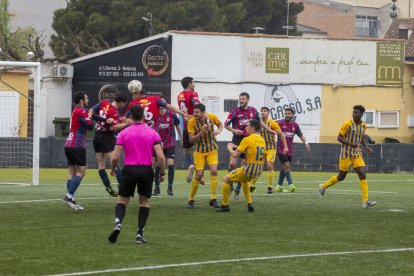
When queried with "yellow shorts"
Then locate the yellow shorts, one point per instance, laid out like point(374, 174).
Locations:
point(200, 159)
point(270, 155)
point(356, 162)
point(238, 175)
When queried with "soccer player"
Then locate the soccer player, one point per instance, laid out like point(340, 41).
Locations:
point(253, 146)
point(138, 142)
point(238, 118)
point(186, 101)
point(151, 106)
point(289, 128)
point(75, 147)
point(270, 150)
point(165, 126)
point(104, 140)
point(203, 135)
point(351, 136)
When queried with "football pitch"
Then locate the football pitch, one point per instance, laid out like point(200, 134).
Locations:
point(289, 234)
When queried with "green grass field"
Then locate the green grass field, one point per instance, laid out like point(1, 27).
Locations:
point(289, 234)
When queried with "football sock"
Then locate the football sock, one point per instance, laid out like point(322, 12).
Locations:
point(143, 214)
point(238, 186)
point(246, 191)
point(170, 176)
point(281, 177)
point(187, 160)
point(68, 185)
point(157, 177)
point(231, 183)
point(289, 177)
point(118, 173)
point(330, 182)
point(270, 178)
point(225, 188)
point(363, 183)
point(120, 210)
point(194, 188)
point(74, 184)
point(213, 186)
point(104, 177)
point(253, 182)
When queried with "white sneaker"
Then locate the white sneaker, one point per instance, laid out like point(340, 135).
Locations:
point(321, 191)
point(368, 204)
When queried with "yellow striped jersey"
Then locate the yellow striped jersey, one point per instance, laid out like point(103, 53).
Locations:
point(207, 141)
point(270, 138)
point(254, 147)
point(353, 133)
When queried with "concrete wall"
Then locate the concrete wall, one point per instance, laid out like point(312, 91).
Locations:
point(390, 158)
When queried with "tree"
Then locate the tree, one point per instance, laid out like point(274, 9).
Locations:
point(88, 26)
point(15, 43)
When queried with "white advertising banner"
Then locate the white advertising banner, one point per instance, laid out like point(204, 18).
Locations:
point(304, 99)
point(309, 61)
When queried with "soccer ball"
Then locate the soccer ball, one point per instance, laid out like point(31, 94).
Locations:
point(134, 86)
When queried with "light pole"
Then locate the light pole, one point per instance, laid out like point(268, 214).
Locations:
point(148, 19)
point(393, 10)
point(287, 27)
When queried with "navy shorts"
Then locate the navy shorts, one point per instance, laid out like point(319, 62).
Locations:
point(237, 140)
point(186, 140)
point(169, 153)
point(76, 156)
point(104, 141)
point(284, 158)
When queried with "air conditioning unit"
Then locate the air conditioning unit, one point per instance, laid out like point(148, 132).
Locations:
point(62, 71)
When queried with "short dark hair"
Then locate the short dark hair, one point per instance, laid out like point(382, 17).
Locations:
point(137, 112)
point(265, 108)
point(255, 124)
point(245, 94)
point(121, 97)
point(186, 81)
point(78, 96)
point(360, 108)
point(290, 109)
point(200, 106)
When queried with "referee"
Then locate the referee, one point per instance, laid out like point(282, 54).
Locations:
point(138, 142)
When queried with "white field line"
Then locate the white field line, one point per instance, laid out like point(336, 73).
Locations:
point(153, 267)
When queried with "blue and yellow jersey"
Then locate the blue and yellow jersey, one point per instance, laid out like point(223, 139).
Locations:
point(207, 141)
point(353, 133)
point(270, 138)
point(254, 147)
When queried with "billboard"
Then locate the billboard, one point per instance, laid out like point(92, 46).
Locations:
point(149, 62)
point(313, 61)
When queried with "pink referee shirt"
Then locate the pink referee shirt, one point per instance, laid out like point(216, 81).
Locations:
point(138, 141)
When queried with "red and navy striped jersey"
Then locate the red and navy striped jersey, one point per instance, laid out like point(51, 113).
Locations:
point(238, 118)
point(106, 110)
point(79, 124)
point(186, 101)
point(289, 129)
point(151, 106)
point(165, 126)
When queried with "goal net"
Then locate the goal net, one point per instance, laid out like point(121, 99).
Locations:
point(19, 122)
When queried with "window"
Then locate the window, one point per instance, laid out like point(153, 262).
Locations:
point(230, 104)
point(410, 120)
point(369, 118)
point(388, 119)
point(366, 26)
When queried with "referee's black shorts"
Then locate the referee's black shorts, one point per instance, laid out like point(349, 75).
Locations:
point(139, 176)
point(186, 140)
point(104, 141)
point(237, 140)
point(76, 156)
